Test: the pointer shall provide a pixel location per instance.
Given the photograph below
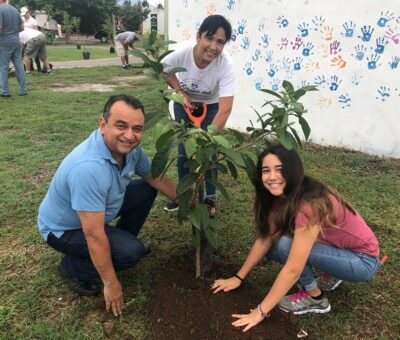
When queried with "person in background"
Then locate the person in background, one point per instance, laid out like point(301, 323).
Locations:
point(30, 22)
point(304, 225)
point(209, 80)
point(94, 185)
point(34, 46)
point(10, 25)
point(123, 41)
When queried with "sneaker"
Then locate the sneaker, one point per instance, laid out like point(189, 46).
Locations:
point(327, 282)
point(79, 287)
point(302, 302)
point(125, 67)
point(211, 205)
point(171, 206)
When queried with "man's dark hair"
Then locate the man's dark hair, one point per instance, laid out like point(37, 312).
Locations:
point(129, 100)
point(211, 24)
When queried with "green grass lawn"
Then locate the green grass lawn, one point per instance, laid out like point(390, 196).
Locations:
point(37, 131)
point(70, 52)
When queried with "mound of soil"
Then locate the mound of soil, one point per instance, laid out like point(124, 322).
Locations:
point(182, 307)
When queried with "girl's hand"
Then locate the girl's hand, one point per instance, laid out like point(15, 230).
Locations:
point(247, 320)
point(225, 285)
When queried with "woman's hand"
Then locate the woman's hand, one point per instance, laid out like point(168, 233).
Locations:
point(225, 285)
point(247, 320)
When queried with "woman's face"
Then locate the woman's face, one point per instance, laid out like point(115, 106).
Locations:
point(272, 175)
point(209, 47)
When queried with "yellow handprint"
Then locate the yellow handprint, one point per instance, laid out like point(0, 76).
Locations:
point(327, 33)
point(211, 8)
point(339, 62)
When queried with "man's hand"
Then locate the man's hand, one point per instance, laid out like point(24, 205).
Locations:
point(225, 285)
point(113, 298)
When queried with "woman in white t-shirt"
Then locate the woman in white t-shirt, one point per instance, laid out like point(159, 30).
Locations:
point(209, 79)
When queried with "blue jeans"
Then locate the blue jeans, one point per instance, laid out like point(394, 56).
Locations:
point(180, 115)
point(341, 263)
point(12, 53)
point(126, 248)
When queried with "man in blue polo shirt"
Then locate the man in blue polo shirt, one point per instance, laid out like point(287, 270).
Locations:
point(92, 186)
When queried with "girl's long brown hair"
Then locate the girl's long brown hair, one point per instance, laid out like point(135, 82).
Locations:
point(275, 216)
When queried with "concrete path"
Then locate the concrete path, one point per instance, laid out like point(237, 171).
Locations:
point(92, 62)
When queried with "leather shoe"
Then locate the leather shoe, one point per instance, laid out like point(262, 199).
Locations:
point(85, 288)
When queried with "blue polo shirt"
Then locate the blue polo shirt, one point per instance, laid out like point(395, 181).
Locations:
point(88, 179)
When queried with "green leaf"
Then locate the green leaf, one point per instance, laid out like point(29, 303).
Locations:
point(195, 218)
point(250, 168)
point(298, 94)
point(196, 240)
point(305, 127)
point(298, 108)
point(223, 141)
point(232, 169)
point(215, 224)
point(185, 184)
point(234, 156)
point(276, 94)
point(152, 37)
point(239, 137)
point(175, 70)
point(162, 56)
point(142, 56)
point(151, 73)
point(190, 147)
point(212, 129)
point(184, 204)
point(287, 140)
point(156, 66)
point(160, 161)
point(309, 88)
point(220, 187)
point(296, 136)
point(211, 237)
point(164, 139)
point(288, 87)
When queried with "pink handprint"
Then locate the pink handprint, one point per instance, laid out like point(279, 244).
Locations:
point(284, 43)
point(334, 47)
point(392, 35)
point(297, 43)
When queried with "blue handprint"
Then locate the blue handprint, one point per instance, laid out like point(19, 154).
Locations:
point(265, 40)
point(248, 68)
point(345, 100)
point(268, 56)
point(287, 64)
point(307, 49)
point(335, 82)
point(272, 70)
point(383, 93)
point(318, 22)
point(257, 54)
point(372, 61)
point(366, 33)
point(319, 80)
point(380, 45)
point(360, 52)
point(245, 43)
point(261, 24)
point(304, 83)
point(304, 29)
point(185, 3)
point(385, 18)
point(282, 21)
point(258, 82)
point(242, 25)
point(297, 63)
point(230, 4)
point(356, 79)
point(394, 62)
point(275, 84)
point(349, 28)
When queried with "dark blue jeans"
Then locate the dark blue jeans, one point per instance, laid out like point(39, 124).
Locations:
point(126, 248)
point(180, 115)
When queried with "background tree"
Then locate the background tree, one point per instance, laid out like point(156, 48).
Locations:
point(132, 16)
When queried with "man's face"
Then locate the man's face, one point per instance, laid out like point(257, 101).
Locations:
point(123, 131)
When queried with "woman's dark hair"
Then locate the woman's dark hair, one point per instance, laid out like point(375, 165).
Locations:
point(275, 216)
point(129, 100)
point(211, 24)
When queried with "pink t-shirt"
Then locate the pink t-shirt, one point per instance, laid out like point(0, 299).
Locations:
point(352, 232)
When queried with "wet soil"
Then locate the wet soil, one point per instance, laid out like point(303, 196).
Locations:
point(182, 307)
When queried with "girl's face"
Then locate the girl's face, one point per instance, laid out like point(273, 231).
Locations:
point(209, 47)
point(272, 175)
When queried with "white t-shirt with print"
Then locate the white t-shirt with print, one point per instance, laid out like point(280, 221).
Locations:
point(204, 85)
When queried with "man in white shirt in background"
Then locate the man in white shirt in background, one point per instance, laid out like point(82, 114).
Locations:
point(34, 44)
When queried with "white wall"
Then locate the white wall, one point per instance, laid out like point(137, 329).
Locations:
point(159, 13)
point(358, 105)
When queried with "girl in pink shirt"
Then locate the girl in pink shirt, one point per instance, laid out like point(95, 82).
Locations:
point(304, 225)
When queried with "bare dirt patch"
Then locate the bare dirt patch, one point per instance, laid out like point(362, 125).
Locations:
point(83, 87)
point(182, 307)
